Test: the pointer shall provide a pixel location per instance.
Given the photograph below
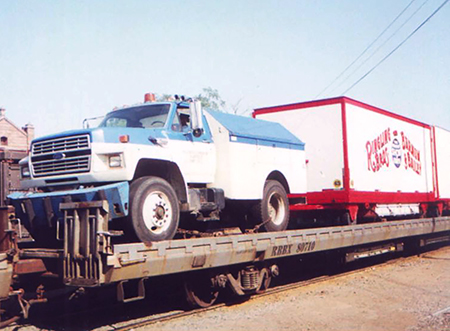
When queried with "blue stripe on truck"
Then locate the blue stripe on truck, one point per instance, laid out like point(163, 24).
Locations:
point(268, 143)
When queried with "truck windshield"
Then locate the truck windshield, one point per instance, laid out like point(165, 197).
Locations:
point(150, 116)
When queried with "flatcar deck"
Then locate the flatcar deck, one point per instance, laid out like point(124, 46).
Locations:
point(137, 260)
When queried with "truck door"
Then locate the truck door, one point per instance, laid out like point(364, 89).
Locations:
point(195, 155)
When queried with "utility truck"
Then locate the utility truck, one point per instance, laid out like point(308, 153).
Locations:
point(156, 161)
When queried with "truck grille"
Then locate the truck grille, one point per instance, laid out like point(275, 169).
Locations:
point(61, 156)
point(76, 164)
point(61, 145)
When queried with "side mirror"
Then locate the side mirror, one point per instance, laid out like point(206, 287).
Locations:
point(196, 118)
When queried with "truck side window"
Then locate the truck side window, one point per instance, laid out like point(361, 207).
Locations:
point(180, 122)
point(176, 123)
point(184, 120)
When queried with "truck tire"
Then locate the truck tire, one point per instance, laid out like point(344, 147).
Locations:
point(154, 209)
point(274, 207)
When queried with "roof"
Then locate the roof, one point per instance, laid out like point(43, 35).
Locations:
point(332, 101)
point(4, 118)
point(248, 127)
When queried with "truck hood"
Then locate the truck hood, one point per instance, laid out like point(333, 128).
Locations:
point(111, 135)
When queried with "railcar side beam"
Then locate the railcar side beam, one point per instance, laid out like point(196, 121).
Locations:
point(145, 260)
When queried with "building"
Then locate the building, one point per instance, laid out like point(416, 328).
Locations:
point(14, 145)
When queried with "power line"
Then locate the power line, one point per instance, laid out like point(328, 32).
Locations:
point(365, 50)
point(399, 45)
point(381, 46)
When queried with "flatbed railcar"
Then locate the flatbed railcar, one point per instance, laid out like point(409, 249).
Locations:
point(245, 263)
point(394, 167)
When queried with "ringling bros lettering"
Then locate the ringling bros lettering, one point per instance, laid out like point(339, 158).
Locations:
point(396, 146)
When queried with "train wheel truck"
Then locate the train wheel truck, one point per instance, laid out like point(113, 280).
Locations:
point(156, 161)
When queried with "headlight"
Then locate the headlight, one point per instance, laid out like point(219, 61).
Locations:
point(25, 172)
point(115, 161)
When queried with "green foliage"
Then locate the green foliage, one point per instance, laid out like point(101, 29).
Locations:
point(164, 97)
point(210, 98)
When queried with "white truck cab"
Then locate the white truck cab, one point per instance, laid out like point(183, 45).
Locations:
point(175, 158)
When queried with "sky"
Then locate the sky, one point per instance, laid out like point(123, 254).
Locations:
point(63, 61)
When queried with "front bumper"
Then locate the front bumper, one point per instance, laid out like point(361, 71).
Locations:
point(41, 210)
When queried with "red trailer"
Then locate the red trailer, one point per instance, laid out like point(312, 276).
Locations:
point(366, 161)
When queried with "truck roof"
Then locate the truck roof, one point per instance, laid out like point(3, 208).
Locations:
point(247, 127)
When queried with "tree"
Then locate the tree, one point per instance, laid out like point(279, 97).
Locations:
point(210, 98)
point(164, 97)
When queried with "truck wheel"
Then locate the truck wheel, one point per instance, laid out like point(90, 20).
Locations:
point(274, 207)
point(154, 209)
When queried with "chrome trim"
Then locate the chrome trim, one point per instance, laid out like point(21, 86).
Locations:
point(64, 166)
point(70, 143)
point(48, 165)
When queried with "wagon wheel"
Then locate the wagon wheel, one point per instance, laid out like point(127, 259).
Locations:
point(200, 291)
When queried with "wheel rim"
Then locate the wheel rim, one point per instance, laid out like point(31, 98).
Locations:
point(276, 208)
point(157, 212)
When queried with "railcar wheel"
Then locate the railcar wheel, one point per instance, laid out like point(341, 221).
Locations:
point(154, 210)
point(200, 291)
point(434, 211)
point(346, 219)
point(265, 282)
point(274, 207)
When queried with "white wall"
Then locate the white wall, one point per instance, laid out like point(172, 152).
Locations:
point(442, 138)
point(392, 174)
point(320, 128)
